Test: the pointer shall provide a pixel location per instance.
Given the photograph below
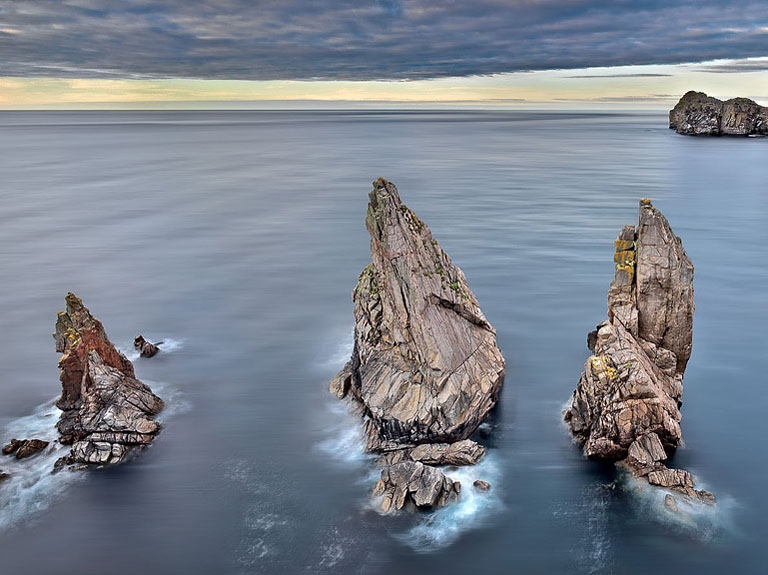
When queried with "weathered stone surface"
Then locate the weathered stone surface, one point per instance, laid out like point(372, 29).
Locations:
point(632, 385)
point(481, 485)
point(4, 476)
point(412, 484)
point(425, 365)
point(465, 452)
point(626, 405)
point(699, 114)
point(107, 412)
point(145, 348)
point(24, 448)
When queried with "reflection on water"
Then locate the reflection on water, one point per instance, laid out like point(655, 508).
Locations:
point(236, 238)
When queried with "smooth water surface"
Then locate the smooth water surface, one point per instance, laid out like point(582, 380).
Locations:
point(237, 238)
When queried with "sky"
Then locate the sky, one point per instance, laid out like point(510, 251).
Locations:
point(238, 53)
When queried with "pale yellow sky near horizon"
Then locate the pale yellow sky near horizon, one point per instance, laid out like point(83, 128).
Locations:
point(648, 87)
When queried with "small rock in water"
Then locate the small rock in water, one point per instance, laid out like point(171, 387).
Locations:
point(671, 503)
point(24, 448)
point(4, 476)
point(146, 349)
point(481, 485)
point(412, 484)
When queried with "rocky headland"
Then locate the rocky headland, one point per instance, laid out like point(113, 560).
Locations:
point(108, 414)
point(425, 370)
point(698, 114)
point(626, 406)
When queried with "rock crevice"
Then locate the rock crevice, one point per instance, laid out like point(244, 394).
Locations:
point(107, 413)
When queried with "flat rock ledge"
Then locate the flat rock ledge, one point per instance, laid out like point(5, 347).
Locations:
point(697, 114)
point(108, 414)
point(626, 406)
point(425, 370)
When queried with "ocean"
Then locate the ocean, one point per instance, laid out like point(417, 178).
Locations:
point(237, 236)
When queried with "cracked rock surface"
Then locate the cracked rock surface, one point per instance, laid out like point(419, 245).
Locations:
point(107, 413)
point(697, 114)
point(626, 405)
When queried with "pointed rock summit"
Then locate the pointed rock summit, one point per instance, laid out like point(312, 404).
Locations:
point(107, 412)
point(697, 114)
point(425, 367)
point(626, 405)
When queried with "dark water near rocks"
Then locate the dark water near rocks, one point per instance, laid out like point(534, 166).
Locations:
point(237, 238)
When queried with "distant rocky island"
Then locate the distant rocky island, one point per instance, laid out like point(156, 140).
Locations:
point(626, 406)
point(425, 370)
point(698, 114)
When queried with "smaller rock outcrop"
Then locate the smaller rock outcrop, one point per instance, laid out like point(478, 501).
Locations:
point(145, 348)
point(107, 413)
point(411, 484)
point(4, 476)
point(24, 448)
point(626, 406)
point(697, 114)
point(481, 485)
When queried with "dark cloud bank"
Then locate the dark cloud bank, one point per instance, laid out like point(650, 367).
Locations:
point(364, 39)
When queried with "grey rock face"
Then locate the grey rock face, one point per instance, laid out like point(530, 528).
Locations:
point(107, 412)
point(626, 405)
point(699, 114)
point(425, 370)
point(412, 484)
point(425, 366)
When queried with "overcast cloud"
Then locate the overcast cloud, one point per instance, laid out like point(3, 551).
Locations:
point(366, 39)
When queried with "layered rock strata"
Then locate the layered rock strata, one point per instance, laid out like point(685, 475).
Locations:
point(107, 413)
point(697, 114)
point(626, 406)
point(425, 370)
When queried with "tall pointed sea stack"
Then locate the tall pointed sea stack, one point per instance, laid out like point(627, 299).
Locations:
point(425, 367)
point(107, 412)
point(627, 403)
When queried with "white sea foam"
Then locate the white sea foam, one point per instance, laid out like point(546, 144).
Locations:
point(697, 519)
point(31, 486)
point(441, 528)
point(345, 441)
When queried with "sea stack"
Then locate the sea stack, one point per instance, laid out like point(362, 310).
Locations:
point(697, 114)
point(425, 370)
point(108, 414)
point(626, 406)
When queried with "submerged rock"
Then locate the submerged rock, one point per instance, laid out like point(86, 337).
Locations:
point(412, 484)
point(107, 412)
point(481, 485)
point(24, 448)
point(425, 370)
point(699, 114)
point(626, 405)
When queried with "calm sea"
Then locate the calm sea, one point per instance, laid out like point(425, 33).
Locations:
point(236, 237)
